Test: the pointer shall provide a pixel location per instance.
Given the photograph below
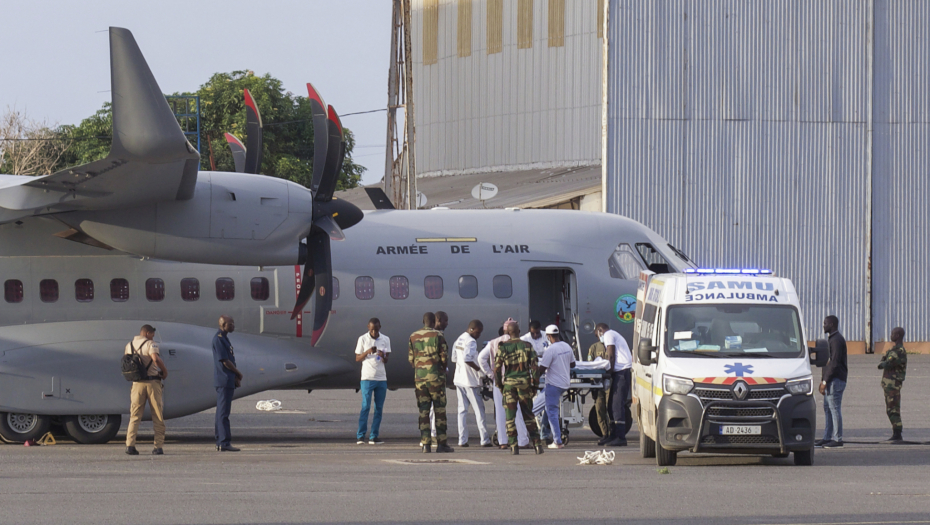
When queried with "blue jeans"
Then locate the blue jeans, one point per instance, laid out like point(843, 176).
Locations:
point(542, 420)
point(553, 400)
point(833, 416)
point(379, 389)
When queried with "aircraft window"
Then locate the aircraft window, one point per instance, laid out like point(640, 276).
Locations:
point(503, 286)
point(653, 258)
point(225, 289)
point(432, 287)
point(335, 288)
point(190, 289)
point(364, 288)
point(468, 287)
point(260, 288)
point(13, 291)
point(84, 290)
point(400, 287)
point(119, 290)
point(48, 290)
point(155, 290)
point(624, 263)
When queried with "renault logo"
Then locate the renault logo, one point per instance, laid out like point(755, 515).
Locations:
point(740, 390)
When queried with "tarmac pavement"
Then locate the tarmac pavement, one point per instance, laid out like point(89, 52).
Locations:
point(301, 465)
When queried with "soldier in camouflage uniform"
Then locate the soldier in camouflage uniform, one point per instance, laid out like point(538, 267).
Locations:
point(429, 356)
point(894, 366)
point(600, 401)
point(516, 375)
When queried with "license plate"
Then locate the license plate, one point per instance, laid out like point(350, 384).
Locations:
point(740, 430)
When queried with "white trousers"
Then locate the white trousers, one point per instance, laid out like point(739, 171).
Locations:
point(471, 396)
point(501, 420)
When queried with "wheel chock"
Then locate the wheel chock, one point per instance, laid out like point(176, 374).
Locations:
point(47, 439)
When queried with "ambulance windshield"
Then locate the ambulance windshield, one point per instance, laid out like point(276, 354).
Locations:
point(734, 329)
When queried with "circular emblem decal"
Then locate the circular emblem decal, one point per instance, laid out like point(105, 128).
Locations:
point(625, 307)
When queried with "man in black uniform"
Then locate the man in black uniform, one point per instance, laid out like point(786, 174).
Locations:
point(226, 378)
point(832, 385)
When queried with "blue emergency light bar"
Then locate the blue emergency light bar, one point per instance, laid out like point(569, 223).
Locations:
point(727, 271)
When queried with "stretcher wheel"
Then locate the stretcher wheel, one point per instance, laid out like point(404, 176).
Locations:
point(565, 436)
point(494, 441)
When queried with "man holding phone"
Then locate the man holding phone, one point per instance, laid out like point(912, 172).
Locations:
point(373, 350)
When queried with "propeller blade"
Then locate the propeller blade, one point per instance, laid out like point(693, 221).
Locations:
point(329, 225)
point(334, 156)
point(320, 137)
point(253, 137)
point(238, 151)
point(379, 198)
point(322, 267)
point(307, 285)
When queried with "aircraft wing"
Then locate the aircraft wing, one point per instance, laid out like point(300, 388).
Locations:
point(150, 160)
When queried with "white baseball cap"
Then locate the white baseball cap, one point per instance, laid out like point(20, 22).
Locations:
point(552, 329)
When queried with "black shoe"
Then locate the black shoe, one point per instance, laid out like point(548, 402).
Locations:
point(463, 445)
point(426, 449)
point(540, 448)
point(822, 442)
point(549, 441)
point(440, 448)
point(618, 442)
point(158, 452)
point(487, 445)
point(132, 451)
point(833, 444)
point(514, 450)
point(228, 448)
point(603, 441)
point(896, 437)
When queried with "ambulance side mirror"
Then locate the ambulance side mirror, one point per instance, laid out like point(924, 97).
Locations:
point(820, 353)
point(644, 351)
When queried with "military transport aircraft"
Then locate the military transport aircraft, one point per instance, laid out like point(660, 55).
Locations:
point(89, 254)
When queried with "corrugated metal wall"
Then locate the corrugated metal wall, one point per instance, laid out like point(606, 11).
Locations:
point(740, 131)
point(517, 109)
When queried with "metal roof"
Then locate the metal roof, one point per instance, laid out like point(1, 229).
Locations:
point(517, 189)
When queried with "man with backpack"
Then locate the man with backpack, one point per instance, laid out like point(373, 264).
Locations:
point(147, 388)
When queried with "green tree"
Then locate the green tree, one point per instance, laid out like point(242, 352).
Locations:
point(287, 149)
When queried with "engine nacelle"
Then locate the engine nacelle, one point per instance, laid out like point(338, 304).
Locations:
point(233, 218)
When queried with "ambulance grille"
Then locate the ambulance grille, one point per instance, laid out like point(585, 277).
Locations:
point(728, 412)
point(739, 440)
point(707, 395)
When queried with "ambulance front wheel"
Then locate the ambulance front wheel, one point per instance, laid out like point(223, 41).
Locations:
point(804, 457)
point(665, 458)
point(647, 447)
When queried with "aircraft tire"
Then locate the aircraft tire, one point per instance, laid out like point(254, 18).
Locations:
point(593, 422)
point(93, 429)
point(19, 428)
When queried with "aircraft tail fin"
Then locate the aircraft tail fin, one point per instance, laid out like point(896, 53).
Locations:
point(144, 126)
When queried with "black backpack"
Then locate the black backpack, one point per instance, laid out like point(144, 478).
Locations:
point(133, 367)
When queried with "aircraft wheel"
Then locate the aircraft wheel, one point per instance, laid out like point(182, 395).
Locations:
point(93, 429)
point(594, 423)
point(19, 428)
point(804, 457)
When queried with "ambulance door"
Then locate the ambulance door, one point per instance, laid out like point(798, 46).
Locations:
point(647, 379)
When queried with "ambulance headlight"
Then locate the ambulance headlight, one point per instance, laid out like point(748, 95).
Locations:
point(676, 385)
point(801, 387)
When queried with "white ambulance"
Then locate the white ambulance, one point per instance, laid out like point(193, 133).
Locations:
point(721, 365)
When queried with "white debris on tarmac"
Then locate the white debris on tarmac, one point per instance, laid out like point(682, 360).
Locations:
point(268, 405)
point(597, 457)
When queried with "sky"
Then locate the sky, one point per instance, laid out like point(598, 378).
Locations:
point(54, 55)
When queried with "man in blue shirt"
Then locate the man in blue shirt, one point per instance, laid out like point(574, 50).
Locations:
point(226, 378)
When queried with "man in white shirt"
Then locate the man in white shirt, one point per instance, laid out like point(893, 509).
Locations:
point(148, 390)
point(467, 382)
point(373, 350)
point(619, 399)
point(486, 361)
point(557, 363)
point(539, 341)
